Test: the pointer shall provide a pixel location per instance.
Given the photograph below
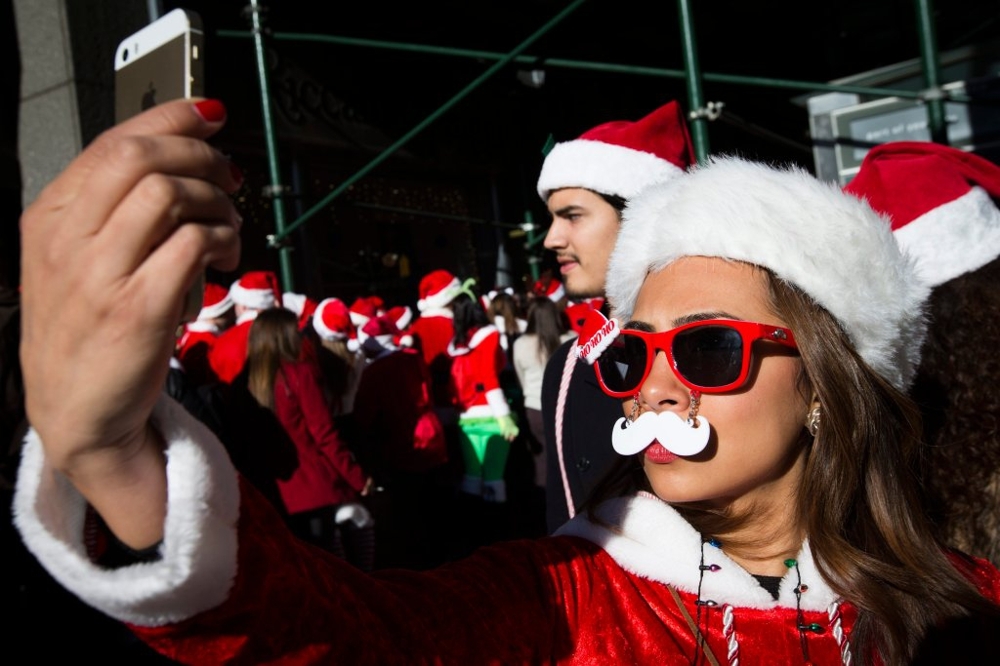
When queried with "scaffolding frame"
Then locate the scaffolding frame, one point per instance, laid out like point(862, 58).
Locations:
point(700, 112)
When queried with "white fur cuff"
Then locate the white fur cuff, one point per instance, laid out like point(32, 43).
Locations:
point(198, 553)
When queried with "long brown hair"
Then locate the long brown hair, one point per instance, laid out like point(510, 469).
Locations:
point(859, 500)
point(274, 339)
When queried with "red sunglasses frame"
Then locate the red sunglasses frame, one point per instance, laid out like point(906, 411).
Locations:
point(750, 332)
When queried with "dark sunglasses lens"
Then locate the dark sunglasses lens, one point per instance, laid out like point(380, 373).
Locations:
point(623, 363)
point(709, 356)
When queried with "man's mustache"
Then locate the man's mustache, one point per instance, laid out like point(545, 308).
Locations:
point(670, 430)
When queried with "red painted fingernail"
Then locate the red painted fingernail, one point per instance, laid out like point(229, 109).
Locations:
point(212, 110)
point(236, 173)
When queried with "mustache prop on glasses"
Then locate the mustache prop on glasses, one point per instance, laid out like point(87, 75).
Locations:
point(670, 430)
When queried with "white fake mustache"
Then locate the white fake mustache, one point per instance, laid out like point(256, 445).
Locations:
point(670, 430)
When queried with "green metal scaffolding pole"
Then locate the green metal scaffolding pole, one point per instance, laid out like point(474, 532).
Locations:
point(932, 72)
point(325, 201)
point(275, 190)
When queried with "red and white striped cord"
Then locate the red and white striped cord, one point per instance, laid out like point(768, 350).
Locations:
point(567, 374)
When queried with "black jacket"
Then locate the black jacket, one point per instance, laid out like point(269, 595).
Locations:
point(588, 417)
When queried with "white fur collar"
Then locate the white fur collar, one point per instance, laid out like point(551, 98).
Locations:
point(198, 554)
point(650, 539)
point(437, 312)
point(202, 326)
point(476, 339)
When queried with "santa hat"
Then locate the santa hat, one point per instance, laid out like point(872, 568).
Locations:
point(382, 330)
point(364, 308)
point(829, 244)
point(549, 287)
point(621, 157)
point(402, 317)
point(301, 305)
point(215, 302)
point(939, 202)
point(437, 289)
point(256, 289)
point(332, 320)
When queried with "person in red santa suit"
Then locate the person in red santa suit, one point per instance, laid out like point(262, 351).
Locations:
point(484, 416)
point(199, 336)
point(764, 511)
point(433, 330)
point(253, 292)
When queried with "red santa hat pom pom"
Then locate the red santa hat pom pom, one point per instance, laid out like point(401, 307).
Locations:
point(332, 320)
point(621, 157)
point(256, 289)
point(215, 302)
point(437, 289)
point(596, 333)
point(362, 309)
point(939, 202)
point(550, 288)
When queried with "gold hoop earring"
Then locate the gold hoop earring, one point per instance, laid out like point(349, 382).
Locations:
point(812, 421)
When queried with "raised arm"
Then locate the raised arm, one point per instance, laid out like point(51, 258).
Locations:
point(108, 250)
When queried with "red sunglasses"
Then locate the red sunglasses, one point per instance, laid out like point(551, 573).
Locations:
point(711, 356)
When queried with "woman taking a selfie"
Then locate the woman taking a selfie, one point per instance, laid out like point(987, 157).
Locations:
point(764, 510)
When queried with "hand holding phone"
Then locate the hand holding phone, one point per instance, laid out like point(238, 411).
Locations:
point(161, 62)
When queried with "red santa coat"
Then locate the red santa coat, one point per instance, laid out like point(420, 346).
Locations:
point(234, 587)
point(327, 473)
point(229, 354)
point(475, 375)
point(192, 350)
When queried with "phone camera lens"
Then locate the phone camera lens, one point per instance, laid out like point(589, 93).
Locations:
point(125, 55)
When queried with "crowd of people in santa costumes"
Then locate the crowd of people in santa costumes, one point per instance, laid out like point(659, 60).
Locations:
point(765, 329)
point(427, 413)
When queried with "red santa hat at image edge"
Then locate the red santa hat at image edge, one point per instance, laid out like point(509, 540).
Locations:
point(938, 200)
point(437, 289)
point(215, 301)
point(256, 289)
point(332, 320)
point(621, 157)
point(551, 288)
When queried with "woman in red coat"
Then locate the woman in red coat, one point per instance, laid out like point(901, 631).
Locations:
point(324, 475)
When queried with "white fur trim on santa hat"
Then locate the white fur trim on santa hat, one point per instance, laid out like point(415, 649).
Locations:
point(955, 238)
point(442, 297)
point(602, 167)
point(216, 309)
point(259, 299)
point(649, 538)
point(198, 554)
point(829, 244)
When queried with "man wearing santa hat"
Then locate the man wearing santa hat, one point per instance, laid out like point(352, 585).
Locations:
point(942, 204)
point(253, 292)
point(585, 183)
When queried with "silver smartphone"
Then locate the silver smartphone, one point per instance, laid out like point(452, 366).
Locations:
point(161, 62)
